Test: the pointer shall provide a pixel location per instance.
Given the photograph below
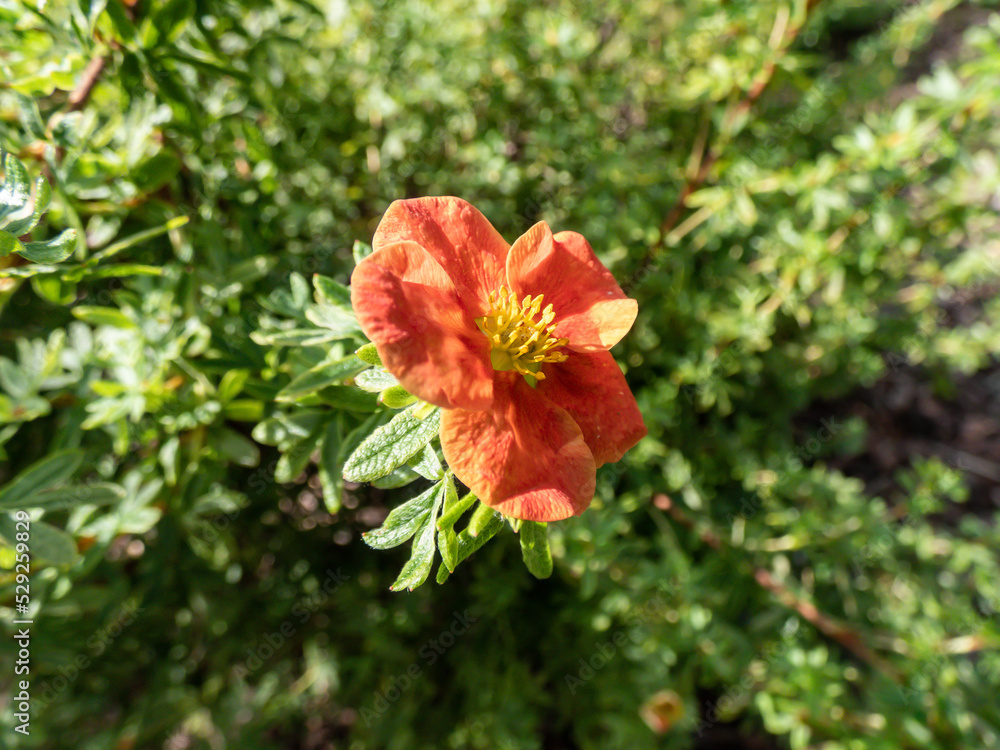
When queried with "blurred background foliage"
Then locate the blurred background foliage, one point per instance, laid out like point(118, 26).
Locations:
point(803, 197)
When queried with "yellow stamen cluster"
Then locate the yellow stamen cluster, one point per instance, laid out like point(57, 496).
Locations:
point(518, 341)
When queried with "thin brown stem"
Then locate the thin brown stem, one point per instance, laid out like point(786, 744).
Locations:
point(783, 36)
point(79, 97)
point(827, 625)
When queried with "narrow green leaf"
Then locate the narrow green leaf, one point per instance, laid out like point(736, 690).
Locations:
point(418, 567)
point(322, 375)
point(137, 238)
point(401, 476)
point(72, 497)
point(117, 270)
point(41, 475)
point(454, 511)
point(294, 337)
point(535, 548)
point(468, 544)
point(448, 545)
point(48, 543)
point(329, 476)
point(403, 522)
point(55, 250)
point(23, 272)
point(103, 316)
point(391, 445)
point(347, 398)
point(480, 519)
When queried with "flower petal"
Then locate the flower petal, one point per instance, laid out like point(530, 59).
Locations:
point(457, 236)
point(410, 309)
point(593, 390)
point(525, 457)
point(591, 309)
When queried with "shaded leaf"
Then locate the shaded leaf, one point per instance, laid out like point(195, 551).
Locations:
point(391, 445)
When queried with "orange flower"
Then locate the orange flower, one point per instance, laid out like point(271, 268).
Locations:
point(512, 342)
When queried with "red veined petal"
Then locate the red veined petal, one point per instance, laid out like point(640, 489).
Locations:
point(593, 390)
point(525, 457)
point(457, 236)
point(591, 309)
point(410, 309)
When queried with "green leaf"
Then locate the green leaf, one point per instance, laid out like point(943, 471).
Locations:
point(401, 476)
point(535, 548)
point(54, 250)
point(15, 191)
point(346, 398)
point(236, 448)
point(295, 459)
point(480, 519)
point(427, 464)
point(103, 316)
point(391, 445)
point(454, 511)
point(284, 429)
point(447, 538)
point(47, 542)
point(329, 475)
point(467, 544)
point(9, 244)
point(397, 397)
point(331, 292)
point(369, 354)
point(418, 567)
point(322, 375)
point(156, 172)
point(375, 380)
point(361, 250)
point(43, 194)
point(54, 289)
point(67, 498)
point(117, 270)
point(448, 545)
point(294, 337)
point(231, 385)
point(135, 239)
point(404, 521)
point(334, 319)
point(39, 476)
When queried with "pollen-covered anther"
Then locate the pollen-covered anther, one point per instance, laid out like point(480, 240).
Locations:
point(518, 341)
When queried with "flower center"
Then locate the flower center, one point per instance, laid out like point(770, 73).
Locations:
point(518, 341)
